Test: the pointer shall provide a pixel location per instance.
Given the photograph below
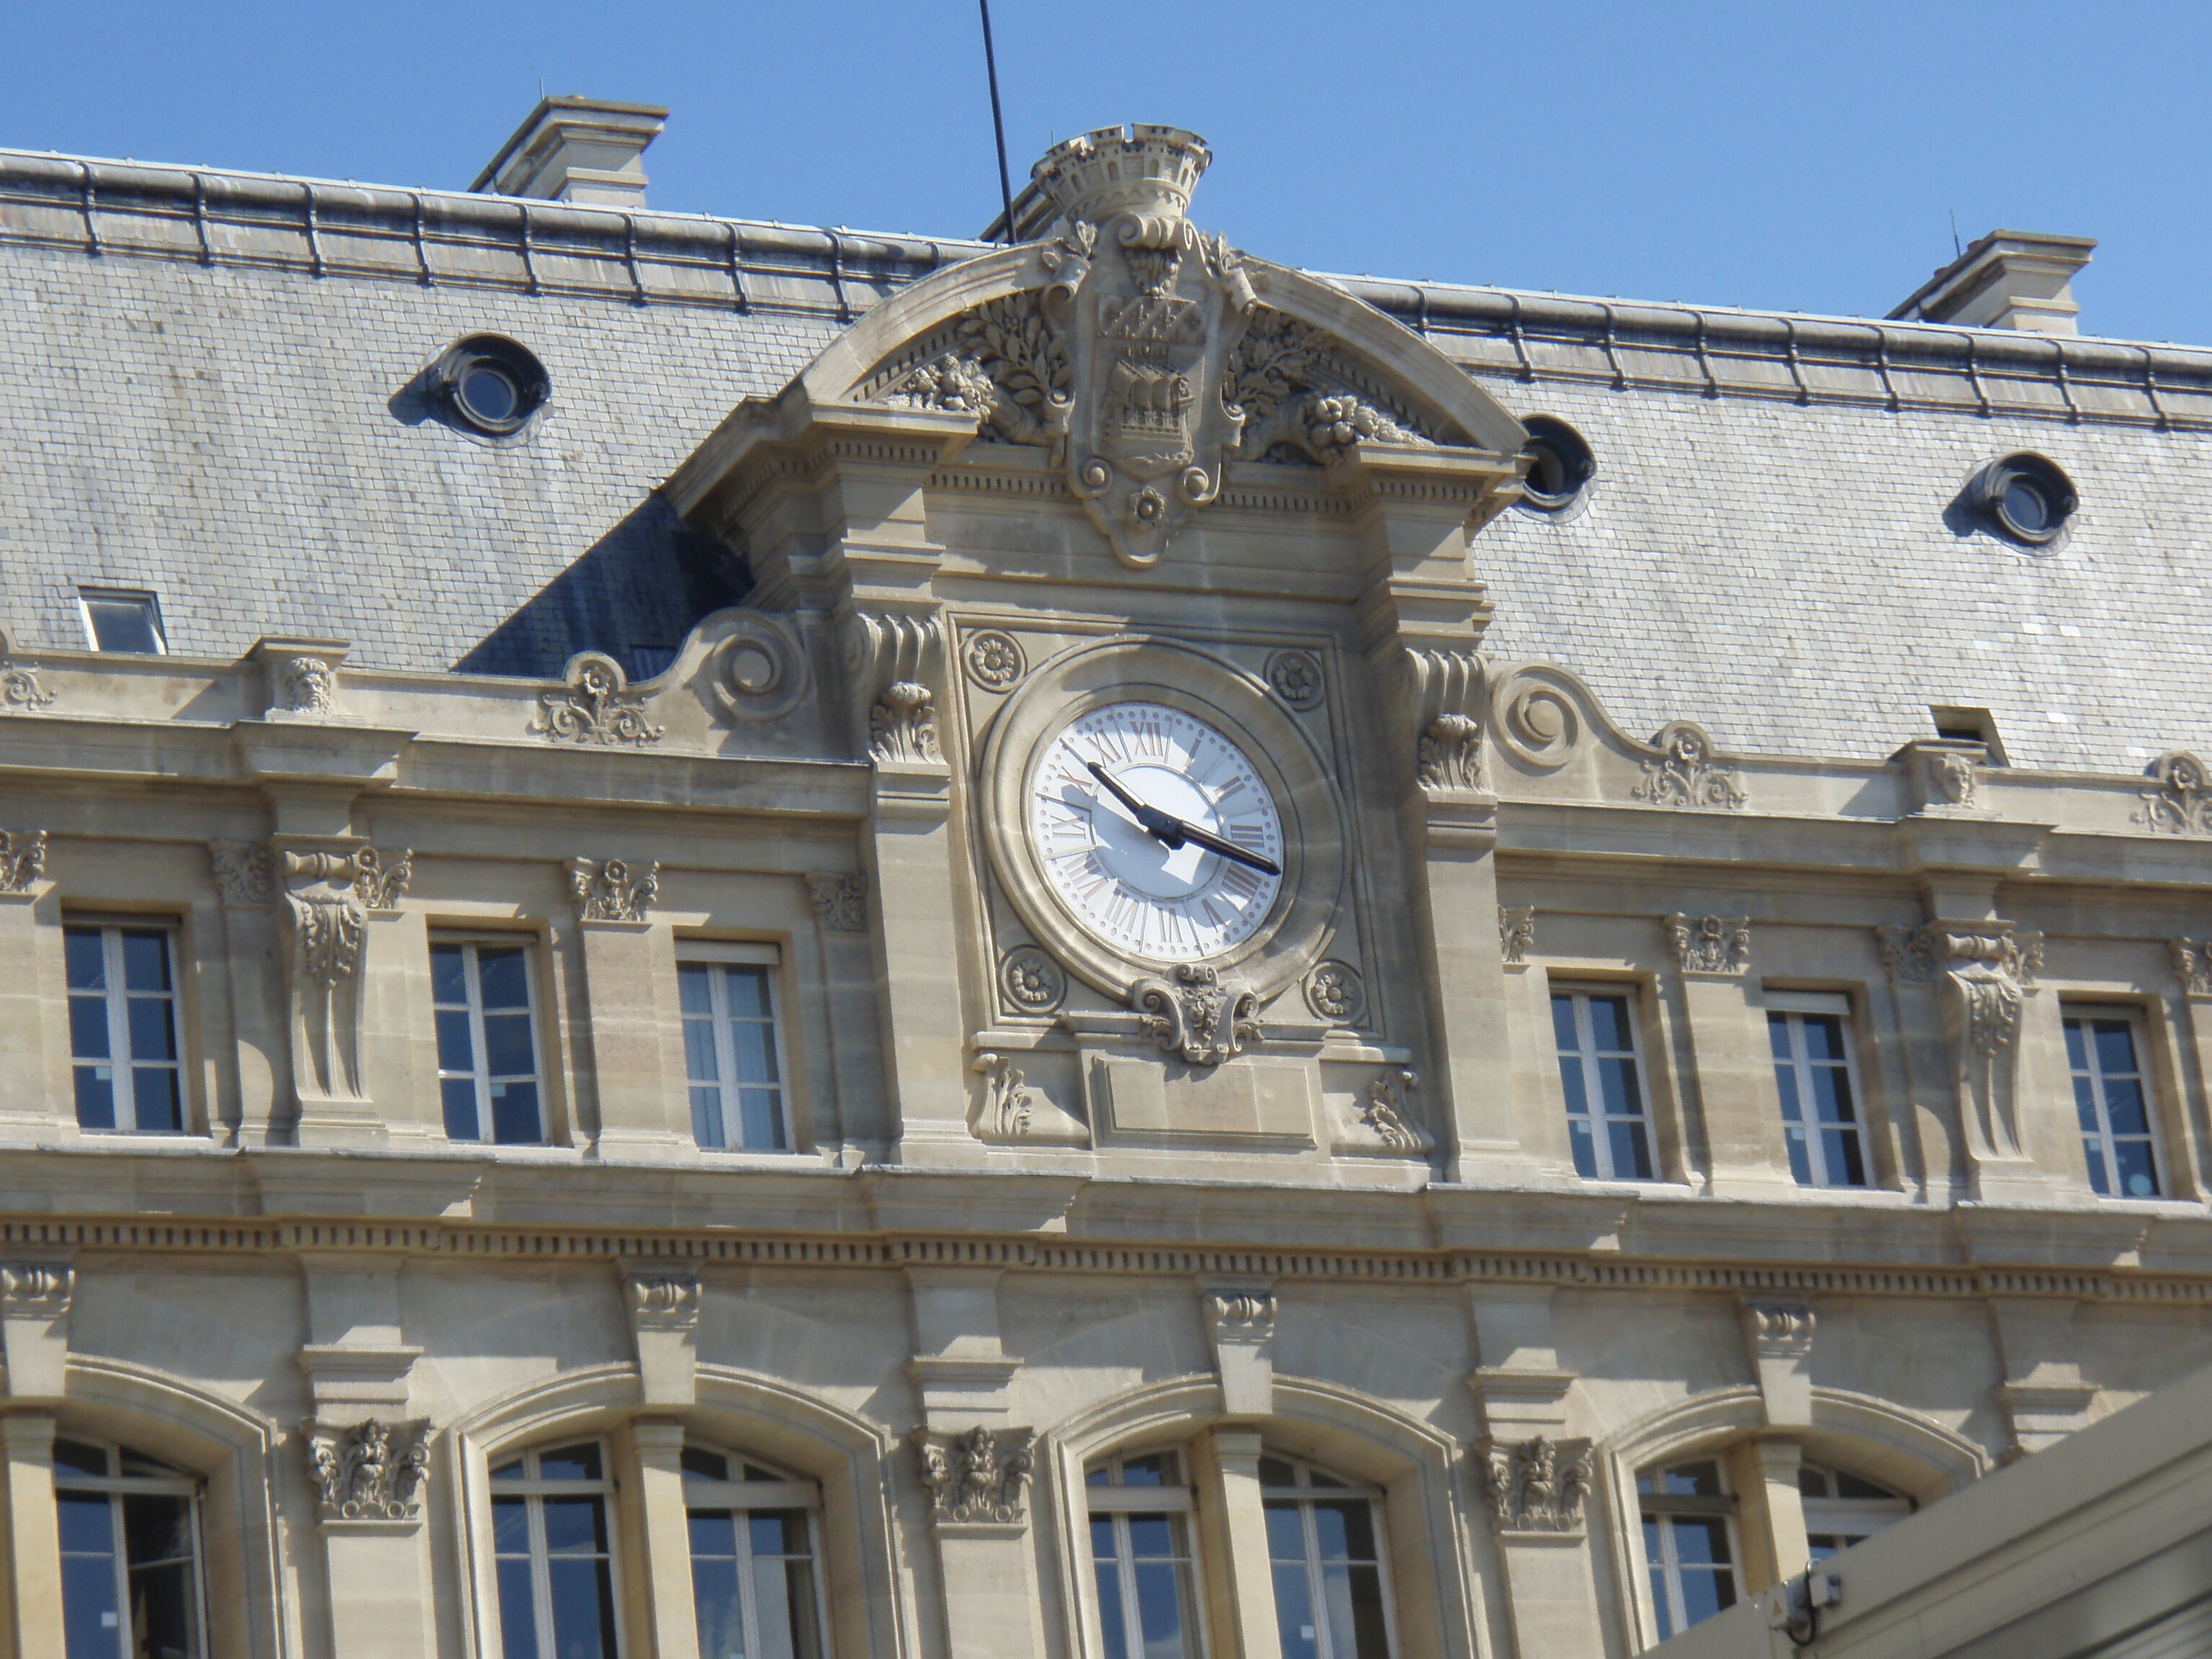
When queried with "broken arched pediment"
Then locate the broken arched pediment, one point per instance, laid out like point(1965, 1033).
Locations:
point(1148, 357)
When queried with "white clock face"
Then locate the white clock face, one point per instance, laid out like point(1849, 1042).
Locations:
point(1152, 900)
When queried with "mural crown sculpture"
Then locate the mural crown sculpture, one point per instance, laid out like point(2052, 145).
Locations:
point(1146, 171)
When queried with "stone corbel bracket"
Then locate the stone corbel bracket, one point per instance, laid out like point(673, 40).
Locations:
point(299, 678)
point(369, 1476)
point(977, 1480)
point(894, 661)
point(1944, 777)
point(35, 1323)
point(1446, 697)
point(663, 1305)
point(1779, 1334)
point(1240, 1329)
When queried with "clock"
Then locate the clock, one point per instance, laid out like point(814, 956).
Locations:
point(1156, 831)
point(1148, 805)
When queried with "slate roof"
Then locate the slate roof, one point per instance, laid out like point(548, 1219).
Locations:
point(214, 386)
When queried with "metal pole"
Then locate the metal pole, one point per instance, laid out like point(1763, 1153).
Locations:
point(997, 122)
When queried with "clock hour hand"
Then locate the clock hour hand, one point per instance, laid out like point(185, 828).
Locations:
point(1171, 831)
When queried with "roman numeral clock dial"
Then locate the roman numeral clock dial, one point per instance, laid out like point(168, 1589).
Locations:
point(1156, 831)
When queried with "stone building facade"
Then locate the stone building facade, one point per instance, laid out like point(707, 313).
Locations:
point(766, 941)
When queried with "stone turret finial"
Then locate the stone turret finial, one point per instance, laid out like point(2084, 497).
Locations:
point(1146, 171)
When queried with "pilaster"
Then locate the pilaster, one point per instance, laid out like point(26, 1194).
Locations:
point(36, 1091)
point(34, 1547)
point(1735, 1065)
point(1770, 1509)
point(667, 1529)
point(638, 1067)
point(1233, 1530)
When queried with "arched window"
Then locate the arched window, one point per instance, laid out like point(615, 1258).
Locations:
point(1332, 1589)
point(1841, 1509)
point(755, 1541)
point(1689, 1542)
point(1140, 1546)
point(131, 1554)
point(555, 1557)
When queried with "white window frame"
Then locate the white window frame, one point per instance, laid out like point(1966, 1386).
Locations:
point(87, 593)
point(1305, 1496)
point(1116, 1502)
point(1586, 1056)
point(2138, 1035)
point(529, 1486)
point(1835, 1005)
point(479, 1054)
point(1851, 1519)
point(118, 1485)
point(1666, 1506)
point(739, 1498)
point(124, 1082)
point(719, 953)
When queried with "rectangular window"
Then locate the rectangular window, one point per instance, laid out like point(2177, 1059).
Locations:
point(1602, 1072)
point(2113, 1103)
point(1141, 1549)
point(1331, 1599)
point(732, 1048)
point(1814, 1075)
point(122, 620)
point(487, 1042)
point(1688, 1543)
point(554, 1554)
point(122, 1028)
point(130, 1554)
point(753, 1552)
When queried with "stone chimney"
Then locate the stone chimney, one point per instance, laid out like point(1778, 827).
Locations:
point(2007, 279)
point(577, 150)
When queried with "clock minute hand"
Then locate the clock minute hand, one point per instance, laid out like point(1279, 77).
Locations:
point(1171, 831)
point(1231, 850)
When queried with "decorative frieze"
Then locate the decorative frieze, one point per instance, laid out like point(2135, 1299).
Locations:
point(1516, 934)
point(1710, 944)
point(613, 892)
point(2179, 801)
point(839, 903)
point(1389, 1111)
point(379, 886)
point(1335, 992)
point(1536, 1486)
point(2192, 965)
point(902, 724)
point(1295, 677)
point(978, 1477)
point(372, 1470)
point(595, 705)
point(1005, 1112)
point(1684, 774)
point(993, 659)
point(23, 859)
point(1450, 755)
point(1198, 1016)
point(244, 872)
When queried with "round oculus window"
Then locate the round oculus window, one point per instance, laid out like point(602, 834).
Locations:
point(490, 384)
point(2027, 498)
point(1560, 465)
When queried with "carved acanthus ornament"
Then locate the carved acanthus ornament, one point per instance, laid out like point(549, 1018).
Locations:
point(374, 1471)
point(1006, 366)
point(1991, 974)
point(1710, 944)
point(1450, 755)
point(23, 859)
point(2192, 965)
point(893, 658)
point(20, 689)
point(1389, 1111)
point(1445, 691)
point(1198, 1016)
point(613, 892)
point(1683, 773)
point(36, 1288)
point(1516, 934)
point(244, 872)
point(1983, 978)
point(1294, 389)
point(1908, 954)
point(976, 1477)
point(326, 915)
point(596, 706)
point(1005, 1114)
point(839, 903)
point(379, 886)
point(902, 725)
point(2180, 801)
point(1537, 1484)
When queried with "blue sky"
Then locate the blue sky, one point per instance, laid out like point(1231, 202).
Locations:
point(1775, 155)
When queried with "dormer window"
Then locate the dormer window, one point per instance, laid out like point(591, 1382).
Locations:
point(123, 621)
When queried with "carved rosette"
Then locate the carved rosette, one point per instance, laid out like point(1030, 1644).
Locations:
point(993, 659)
point(2179, 801)
point(1516, 934)
point(1710, 944)
point(1683, 773)
point(1334, 993)
point(2192, 965)
point(372, 1470)
point(595, 705)
point(1536, 1486)
point(1004, 1112)
point(23, 859)
point(1295, 677)
point(976, 1477)
point(1031, 980)
point(839, 903)
point(613, 892)
point(1389, 1111)
point(1198, 1018)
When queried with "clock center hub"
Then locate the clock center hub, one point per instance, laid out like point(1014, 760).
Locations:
point(1138, 858)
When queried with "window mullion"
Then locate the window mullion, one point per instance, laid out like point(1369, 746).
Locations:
point(1670, 1563)
point(541, 1579)
point(120, 1543)
point(479, 1056)
point(748, 1608)
point(1808, 1105)
point(1310, 1529)
point(119, 1029)
point(1593, 1086)
point(725, 1061)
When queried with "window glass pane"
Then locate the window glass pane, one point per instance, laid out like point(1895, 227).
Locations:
point(707, 1116)
point(1153, 1469)
point(456, 1050)
point(582, 1594)
point(1824, 1037)
point(2093, 1150)
point(2116, 1047)
point(1609, 1023)
point(2085, 1102)
point(510, 1525)
point(458, 1095)
point(694, 993)
point(2123, 1105)
point(1585, 1147)
point(504, 981)
point(90, 1619)
point(156, 1100)
point(79, 1457)
point(579, 1462)
point(1632, 1155)
point(153, 1032)
point(1831, 1094)
point(714, 1593)
point(507, 1050)
point(96, 1096)
point(1846, 1167)
point(1700, 1540)
point(1623, 1097)
point(1563, 1023)
point(700, 1464)
point(713, 1532)
point(1294, 1611)
point(87, 1527)
point(1786, 1081)
point(514, 1119)
point(777, 1532)
point(2138, 1176)
point(87, 958)
point(164, 1611)
point(1850, 1486)
point(1346, 1531)
point(700, 1061)
point(518, 1611)
point(146, 961)
point(1357, 1628)
point(763, 1118)
point(1691, 1480)
point(1777, 1035)
point(123, 623)
point(1159, 1608)
point(449, 982)
point(753, 1047)
point(2077, 1053)
point(783, 1606)
point(88, 1027)
point(1112, 1627)
point(139, 1463)
point(747, 993)
point(1286, 1535)
point(1571, 1081)
point(1277, 1472)
point(1151, 1537)
point(575, 1526)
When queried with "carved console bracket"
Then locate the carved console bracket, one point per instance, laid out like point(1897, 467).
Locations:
point(1004, 1110)
point(1389, 1112)
point(978, 1477)
point(1198, 1018)
point(1240, 1329)
point(895, 660)
point(1536, 1487)
point(663, 1305)
point(34, 1321)
point(372, 1471)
